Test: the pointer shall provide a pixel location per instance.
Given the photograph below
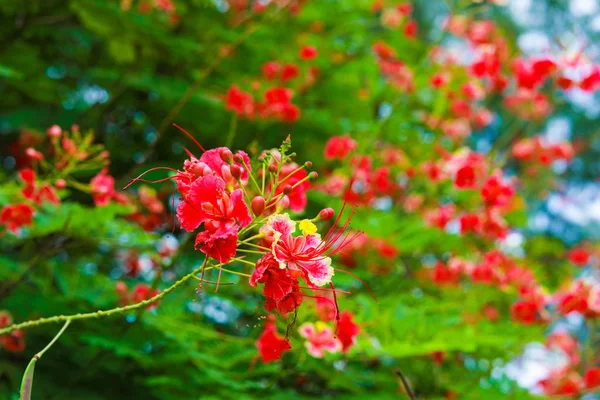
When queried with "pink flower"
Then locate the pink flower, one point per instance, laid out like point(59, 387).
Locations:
point(103, 188)
point(319, 341)
point(302, 255)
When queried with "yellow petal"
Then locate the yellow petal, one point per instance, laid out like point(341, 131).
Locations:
point(307, 227)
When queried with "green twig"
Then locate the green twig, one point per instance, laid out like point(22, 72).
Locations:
point(100, 313)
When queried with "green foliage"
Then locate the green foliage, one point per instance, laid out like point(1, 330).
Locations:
point(123, 73)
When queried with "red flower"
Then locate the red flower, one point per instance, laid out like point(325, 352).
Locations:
point(592, 378)
point(440, 216)
point(289, 72)
point(239, 101)
point(103, 188)
point(222, 214)
point(308, 52)
point(575, 301)
point(592, 81)
point(278, 105)
point(347, 330)
point(443, 275)
point(525, 311)
point(339, 147)
point(209, 202)
point(281, 289)
point(270, 345)
point(14, 341)
point(579, 256)
point(469, 223)
point(496, 191)
point(271, 69)
point(213, 159)
point(139, 293)
point(16, 216)
point(410, 29)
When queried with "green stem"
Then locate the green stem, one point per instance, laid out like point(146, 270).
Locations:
point(64, 328)
point(27, 382)
point(232, 131)
point(100, 313)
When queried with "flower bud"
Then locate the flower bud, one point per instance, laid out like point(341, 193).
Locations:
point(283, 204)
point(238, 158)
point(34, 154)
point(105, 154)
point(287, 189)
point(226, 154)
point(258, 205)
point(121, 287)
point(60, 184)
point(273, 168)
point(236, 171)
point(313, 175)
point(54, 131)
point(75, 128)
point(308, 164)
point(326, 214)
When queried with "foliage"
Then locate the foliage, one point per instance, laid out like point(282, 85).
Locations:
point(425, 124)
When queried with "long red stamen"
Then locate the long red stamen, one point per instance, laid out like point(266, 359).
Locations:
point(139, 178)
point(190, 136)
point(337, 307)
point(188, 152)
point(363, 282)
point(325, 289)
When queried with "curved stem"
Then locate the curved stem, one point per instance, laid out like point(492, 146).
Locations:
point(27, 382)
point(100, 313)
point(45, 349)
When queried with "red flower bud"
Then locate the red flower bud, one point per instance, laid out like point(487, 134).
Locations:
point(121, 287)
point(226, 154)
point(287, 189)
point(258, 205)
point(238, 158)
point(326, 214)
point(236, 171)
point(60, 184)
point(308, 164)
point(313, 175)
point(54, 131)
point(273, 168)
point(34, 154)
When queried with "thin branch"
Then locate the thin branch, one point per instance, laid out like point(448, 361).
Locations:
point(101, 313)
point(409, 391)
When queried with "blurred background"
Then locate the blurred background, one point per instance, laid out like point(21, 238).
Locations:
point(388, 74)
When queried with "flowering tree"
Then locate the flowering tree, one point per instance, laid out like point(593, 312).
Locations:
point(292, 198)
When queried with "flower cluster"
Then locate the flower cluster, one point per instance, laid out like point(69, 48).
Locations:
point(275, 102)
point(233, 207)
point(139, 293)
